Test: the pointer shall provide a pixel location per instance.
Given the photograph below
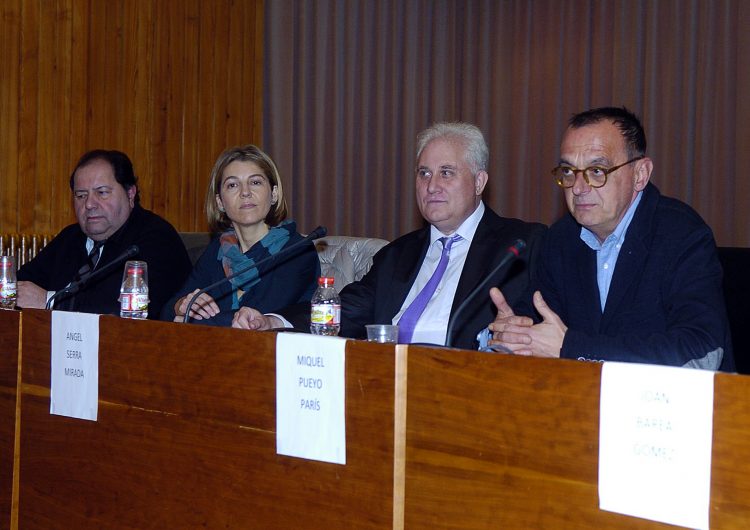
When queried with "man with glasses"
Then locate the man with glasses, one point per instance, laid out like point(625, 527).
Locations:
point(629, 275)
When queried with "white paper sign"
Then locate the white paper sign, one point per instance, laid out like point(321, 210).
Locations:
point(74, 389)
point(655, 431)
point(310, 405)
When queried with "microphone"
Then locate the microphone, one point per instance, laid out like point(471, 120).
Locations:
point(319, 232)
point(513, 252)
point(76, 286)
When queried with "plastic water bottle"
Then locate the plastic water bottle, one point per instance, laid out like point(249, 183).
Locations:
point(134, 291)
point(325, 309)
point(7, 282)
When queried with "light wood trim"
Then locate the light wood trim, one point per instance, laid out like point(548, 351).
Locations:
point(399, 436)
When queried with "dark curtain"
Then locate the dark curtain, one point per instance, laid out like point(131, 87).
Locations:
point(348, 84)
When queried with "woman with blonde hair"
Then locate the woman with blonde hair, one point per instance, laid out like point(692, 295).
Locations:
point(246, 212)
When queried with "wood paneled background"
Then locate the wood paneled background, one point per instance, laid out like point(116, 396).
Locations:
point(170, 82)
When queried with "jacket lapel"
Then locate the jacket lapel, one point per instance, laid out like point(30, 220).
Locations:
point(478, 260)
point(632, 257)
point(488, 247)
point(630, 263)
point(585, 269)
point(405, 271)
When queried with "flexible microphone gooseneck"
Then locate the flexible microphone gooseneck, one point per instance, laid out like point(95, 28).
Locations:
point(77, 285)
point(513, 252)
point(319, 232)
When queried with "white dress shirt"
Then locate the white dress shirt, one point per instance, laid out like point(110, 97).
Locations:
point(432, 324)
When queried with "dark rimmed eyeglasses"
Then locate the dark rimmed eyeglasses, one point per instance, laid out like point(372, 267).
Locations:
point(595, 176)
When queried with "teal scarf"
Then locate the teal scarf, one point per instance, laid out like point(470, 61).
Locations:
point(232, 258)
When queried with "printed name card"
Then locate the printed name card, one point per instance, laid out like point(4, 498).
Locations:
point(655, 430)
point(74, 387)
point(310, 405)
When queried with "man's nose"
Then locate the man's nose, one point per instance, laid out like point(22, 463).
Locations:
point(433, 184)
point(580, 185)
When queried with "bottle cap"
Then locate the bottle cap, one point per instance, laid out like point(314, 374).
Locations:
point(325, 281)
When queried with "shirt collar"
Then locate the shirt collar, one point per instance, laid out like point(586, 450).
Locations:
point(618, 235)
point(90, 244)
point(466, 230)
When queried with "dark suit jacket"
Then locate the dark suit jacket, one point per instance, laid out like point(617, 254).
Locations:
point(665, 303)
point(377, 297)
point(160, 247)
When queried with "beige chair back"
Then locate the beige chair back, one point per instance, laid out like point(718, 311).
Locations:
point(345, 258)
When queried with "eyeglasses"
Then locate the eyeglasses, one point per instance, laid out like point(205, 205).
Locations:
point(595, 176)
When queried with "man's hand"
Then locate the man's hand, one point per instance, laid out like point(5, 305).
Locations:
point(509, 332)
point(520, 335)
point(547, 336)
point(204, 307)
point(249, 318)
point(30, 295)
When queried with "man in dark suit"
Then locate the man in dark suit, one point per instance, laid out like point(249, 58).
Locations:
point(110, 220)
point(419, 280)
point(629, 275)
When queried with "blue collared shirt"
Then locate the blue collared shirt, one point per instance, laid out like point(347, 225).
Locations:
point(608, 251)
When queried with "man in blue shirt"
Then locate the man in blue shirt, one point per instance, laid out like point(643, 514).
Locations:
point(629, 275)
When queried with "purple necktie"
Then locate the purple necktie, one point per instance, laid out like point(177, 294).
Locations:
point(409, 319)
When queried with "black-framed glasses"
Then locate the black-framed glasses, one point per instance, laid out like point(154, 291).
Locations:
point(595, 176)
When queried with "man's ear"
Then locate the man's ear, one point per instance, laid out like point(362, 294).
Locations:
point(642, 173)
point(132, 191)
point(480, 181)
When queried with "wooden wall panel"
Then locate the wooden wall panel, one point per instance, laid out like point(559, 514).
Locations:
point(9, 53)
point(172, 83)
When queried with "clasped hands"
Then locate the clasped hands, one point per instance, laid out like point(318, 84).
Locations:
point(205, 307)
point(519, 335)
point(249, 318)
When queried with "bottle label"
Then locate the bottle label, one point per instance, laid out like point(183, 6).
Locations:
point(327, 314)
point(134, 302)
point(7, 291)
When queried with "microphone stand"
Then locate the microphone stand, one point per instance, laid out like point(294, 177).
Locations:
point(513, 252)
point(76, 286)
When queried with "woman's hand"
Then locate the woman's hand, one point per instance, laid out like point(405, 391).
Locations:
point(249, 318)
point(204, 307)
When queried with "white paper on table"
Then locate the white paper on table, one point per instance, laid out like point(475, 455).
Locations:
point(655, 433)
point(310, 404)
point(74, 386)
